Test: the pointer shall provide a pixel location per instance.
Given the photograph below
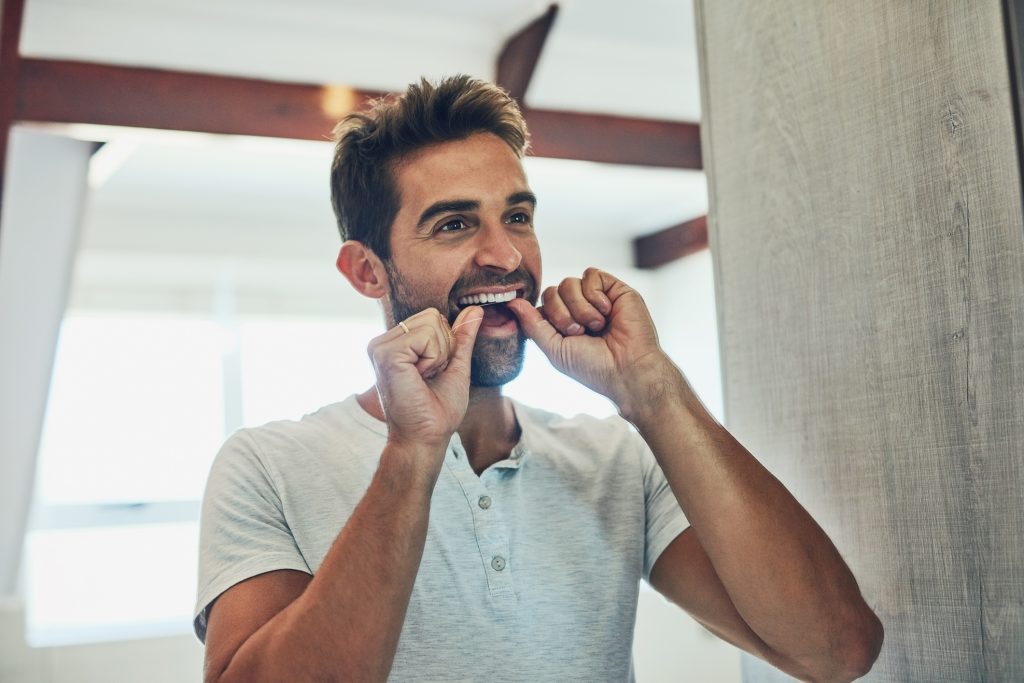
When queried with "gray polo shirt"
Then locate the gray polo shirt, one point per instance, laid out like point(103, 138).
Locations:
point(530, 571)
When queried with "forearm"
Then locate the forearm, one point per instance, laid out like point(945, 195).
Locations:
point(781, 571)
point(346, 624)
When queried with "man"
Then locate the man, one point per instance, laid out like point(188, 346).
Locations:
point(431, 529)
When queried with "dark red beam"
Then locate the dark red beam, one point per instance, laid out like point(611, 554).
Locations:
point(614, 139)
point(80, 92)
point(665, 246)
point(75, 92)
point(519, 56)
point(10, 37)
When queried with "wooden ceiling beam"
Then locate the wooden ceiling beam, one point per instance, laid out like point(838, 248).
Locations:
point(11, 16)
point(518, 57)
point(670, 244)
point(614, 139)
point(55, 91)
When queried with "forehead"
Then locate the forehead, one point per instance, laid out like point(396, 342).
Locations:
point(480, 168)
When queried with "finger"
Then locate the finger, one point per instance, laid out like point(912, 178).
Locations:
point(425, 342)
point(595, 284)
point(464, 331)
point(443, 336)
point(536, 326)
point(419, 340)
point(413, 322)
point(443, 333)
point(580, 308)
point(429, 319)
point(558, 313)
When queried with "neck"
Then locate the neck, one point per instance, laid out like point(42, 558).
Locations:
point(488, 431)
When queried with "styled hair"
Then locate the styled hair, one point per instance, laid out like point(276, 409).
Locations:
point(368, 145)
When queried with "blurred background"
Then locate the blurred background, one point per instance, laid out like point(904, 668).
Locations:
point(200, 293)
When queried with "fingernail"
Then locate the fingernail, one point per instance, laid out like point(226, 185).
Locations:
point(574, 329)
point(595, 325)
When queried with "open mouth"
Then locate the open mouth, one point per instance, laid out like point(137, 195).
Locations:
point(488, 299)
point(496, 312)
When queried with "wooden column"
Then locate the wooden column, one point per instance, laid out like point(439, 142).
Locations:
point(866, 227)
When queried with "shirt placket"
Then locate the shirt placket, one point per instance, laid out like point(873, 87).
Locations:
point(489, 526)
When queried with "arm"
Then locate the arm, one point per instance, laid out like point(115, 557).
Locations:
point(764, 571)
point(778, 569)
point(344, 623)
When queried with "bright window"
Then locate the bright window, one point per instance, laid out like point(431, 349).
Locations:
point(292, 366)
point(139, 405)
point(136, 409)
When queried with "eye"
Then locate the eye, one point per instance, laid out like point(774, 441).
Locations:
point(519, 217)
point(453, 225)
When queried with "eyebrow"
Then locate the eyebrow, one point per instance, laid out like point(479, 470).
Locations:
point(522, 198)
point(459, 205)
point(445, 206)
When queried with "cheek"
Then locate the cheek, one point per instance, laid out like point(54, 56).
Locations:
point(532, 262)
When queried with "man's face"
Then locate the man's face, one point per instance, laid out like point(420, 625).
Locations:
point(465, 229)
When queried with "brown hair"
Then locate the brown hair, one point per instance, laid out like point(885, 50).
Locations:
point(368, 144)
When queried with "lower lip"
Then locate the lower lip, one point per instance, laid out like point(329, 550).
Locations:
point(507, 327)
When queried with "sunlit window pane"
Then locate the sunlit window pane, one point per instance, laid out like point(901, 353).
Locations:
point(292, 366)
point(136, 409)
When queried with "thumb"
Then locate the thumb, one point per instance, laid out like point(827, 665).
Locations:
point(536, 326)
point(464, 330)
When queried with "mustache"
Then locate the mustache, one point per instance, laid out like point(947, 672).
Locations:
point(487, 280)
point(484, 279)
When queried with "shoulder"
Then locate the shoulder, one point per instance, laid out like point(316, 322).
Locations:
point(601, 438)
point(313, 430)
point(288, 444)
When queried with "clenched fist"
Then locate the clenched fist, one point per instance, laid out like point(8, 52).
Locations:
point(597, 330)
point(423, 370)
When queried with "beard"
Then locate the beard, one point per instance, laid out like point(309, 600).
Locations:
point(496, 361)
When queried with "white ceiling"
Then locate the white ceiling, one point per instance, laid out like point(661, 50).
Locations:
point(605, 56)
point(602, 56)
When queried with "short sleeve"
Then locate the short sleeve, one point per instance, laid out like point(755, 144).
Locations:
point(665, 519)
point(242, 528)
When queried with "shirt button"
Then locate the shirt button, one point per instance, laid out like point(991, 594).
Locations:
point(484, 502)
point(497, 563)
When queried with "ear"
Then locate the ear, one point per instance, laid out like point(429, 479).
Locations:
point(363, 268)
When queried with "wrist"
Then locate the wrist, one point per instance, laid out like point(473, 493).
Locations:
point(660, 393)
point(411, 465)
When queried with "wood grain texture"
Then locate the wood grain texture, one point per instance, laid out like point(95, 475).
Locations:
point(57, 91)
point(866, 227)
point(520, 53)
point(670, 244)
point(11, 15)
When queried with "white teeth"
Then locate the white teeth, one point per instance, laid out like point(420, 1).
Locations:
point(485, 299)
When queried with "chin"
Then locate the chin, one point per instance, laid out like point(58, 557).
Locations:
point(497, 362)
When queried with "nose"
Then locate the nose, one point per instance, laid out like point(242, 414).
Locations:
point(496, 249)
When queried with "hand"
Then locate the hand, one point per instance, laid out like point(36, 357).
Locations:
point(598, 331)
point(423, 375)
